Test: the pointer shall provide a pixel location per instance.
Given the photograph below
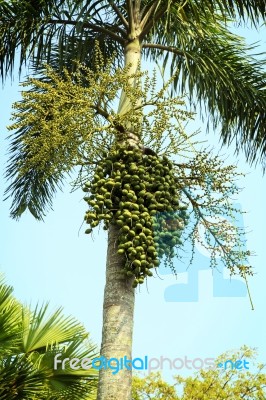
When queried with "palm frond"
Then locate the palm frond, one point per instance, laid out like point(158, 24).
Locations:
point(40, 330)
point(34, 189)
point(36, 31)
point(20, 380)
point(240, 10)
point(214, 66)
point(254, 10)
point(10, 317)
point(63, 379)
point(29, 342)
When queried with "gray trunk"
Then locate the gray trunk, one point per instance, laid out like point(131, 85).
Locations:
point(118, 312)
point(119, 296)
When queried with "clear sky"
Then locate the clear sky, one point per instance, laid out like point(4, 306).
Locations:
point(54, 261)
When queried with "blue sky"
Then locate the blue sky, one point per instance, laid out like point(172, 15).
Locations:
point(54, 261)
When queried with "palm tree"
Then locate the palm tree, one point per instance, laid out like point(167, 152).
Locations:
point(29, 342)
point(191, 37)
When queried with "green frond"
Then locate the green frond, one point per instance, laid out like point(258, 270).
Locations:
point(213, 65)
point(33, 190)
point(242, 10)
point(10, 315)
point(40, 330)
point(232, 87)
point(29, 342)
point(69, 29)
point(254, 10)
point(20, 380)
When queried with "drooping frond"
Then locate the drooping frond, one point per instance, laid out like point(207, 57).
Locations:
point(192, 10)
point(32, 190)
point(213, 65)
point(36, 30)
point(253, 10)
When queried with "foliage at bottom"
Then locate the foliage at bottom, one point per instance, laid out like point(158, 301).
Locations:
point(29, 341)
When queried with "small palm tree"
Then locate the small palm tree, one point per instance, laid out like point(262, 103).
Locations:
point(193, 39)
point(29, 341)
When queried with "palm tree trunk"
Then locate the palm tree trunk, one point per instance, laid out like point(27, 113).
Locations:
point(119, 296)
point(118, 313)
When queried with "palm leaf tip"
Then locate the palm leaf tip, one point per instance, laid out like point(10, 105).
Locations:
point(32, 187)
point(31, 192)
point(227, 82)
